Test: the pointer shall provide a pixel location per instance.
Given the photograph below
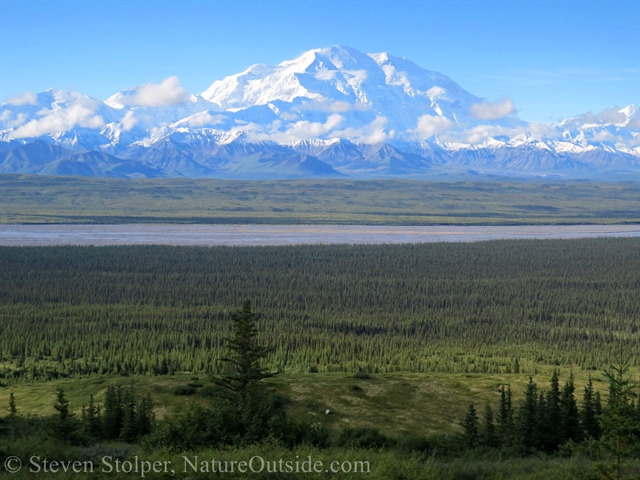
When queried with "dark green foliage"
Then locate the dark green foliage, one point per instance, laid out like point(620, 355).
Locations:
point(528, 430)
point(13, 415)
point(244, 371)
point(123, 418)
point(129, 430)
point(414, 444)
point(362, 438)
point(618, 421)
point(259, 417)
point(554, 414)
point(92, 424)
point(470, 428)
point(113, 413)
point(506, 423)
point(489, 435)
point(65, 427)
point(570, 425)
point(181, 390)
point(145, 418)
point(588, 415)
point(157, 310)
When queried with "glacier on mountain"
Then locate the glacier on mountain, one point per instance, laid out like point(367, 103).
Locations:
point(330, 112)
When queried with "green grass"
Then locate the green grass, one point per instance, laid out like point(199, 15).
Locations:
point(397, 404)
point(382, 465)
point(40, 199)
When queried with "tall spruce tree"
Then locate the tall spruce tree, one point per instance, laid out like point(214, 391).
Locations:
point(570, 426)
point(588, 415)
point(471, 431)
point(489, 435)
point(244, 355)
point(544, 428)
point(113, 413)
point(528, 419)
point(92, 421)
point(13, 416)
point(617, 420)
point(505, 418)
point(554, 414)
point(64, 427)
point(145, 418)
point(129, 430)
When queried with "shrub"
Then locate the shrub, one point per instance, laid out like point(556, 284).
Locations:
point(184, 390)
point(413, 443)
point(362, 438)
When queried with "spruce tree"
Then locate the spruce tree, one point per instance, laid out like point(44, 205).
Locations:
point(13, 416)
point(505, 417)
point(113, 413)
point(145, 417)
point(92, 421)
point(489, 436)
point(244, 358)
point(471, 432)
point(528, 419)
point(588, 415)
point(570, 426)
point(597, 406)
point(554, 414)
point(64, 427)
point(543, 428)
point(617, 421)
point(129, 430)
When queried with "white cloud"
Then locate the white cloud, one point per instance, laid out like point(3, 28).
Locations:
point(436, 91)
point(167, 93)
point(78, 111)
point(325, 74)
point(492, 110)
point(128, 121)
point(482, 133)
point(27, 98)
point(288, 116)
point(371, 133)
point(606, 117)
point(294, 132)
point(9, 122)
point(430, 125)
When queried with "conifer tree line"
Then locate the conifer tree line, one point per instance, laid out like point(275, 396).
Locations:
point(122, 417)
point(485, 307)
point(545, 420)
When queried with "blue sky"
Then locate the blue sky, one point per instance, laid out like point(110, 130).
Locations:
point(554, 59)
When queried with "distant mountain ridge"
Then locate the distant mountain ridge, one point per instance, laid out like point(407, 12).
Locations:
point(332, 112)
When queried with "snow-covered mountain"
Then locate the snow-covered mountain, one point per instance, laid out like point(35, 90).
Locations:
point(330, 112)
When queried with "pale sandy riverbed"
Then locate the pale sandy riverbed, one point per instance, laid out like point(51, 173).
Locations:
point(173, 234)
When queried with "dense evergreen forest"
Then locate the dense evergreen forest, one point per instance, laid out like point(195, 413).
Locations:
point(496, 306)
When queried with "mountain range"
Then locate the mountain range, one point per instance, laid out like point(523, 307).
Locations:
point(331, 112)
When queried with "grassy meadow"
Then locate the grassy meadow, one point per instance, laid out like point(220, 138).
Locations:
point(396, 404)
point(41, 199)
